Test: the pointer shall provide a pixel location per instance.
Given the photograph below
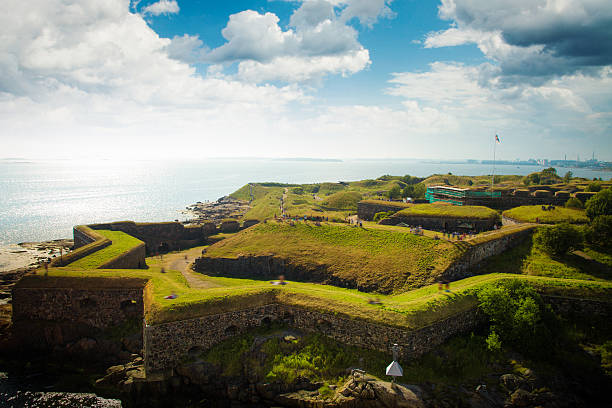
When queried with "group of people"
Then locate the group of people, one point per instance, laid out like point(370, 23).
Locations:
point(417, 230)
point(457, 236)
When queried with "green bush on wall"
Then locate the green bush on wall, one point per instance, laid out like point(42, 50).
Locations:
point(558, 239)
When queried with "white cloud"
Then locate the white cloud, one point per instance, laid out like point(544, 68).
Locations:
point(318, 42)
point(531, 40)
point(162, 7)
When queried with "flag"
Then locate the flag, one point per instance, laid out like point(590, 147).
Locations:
point(497, 139)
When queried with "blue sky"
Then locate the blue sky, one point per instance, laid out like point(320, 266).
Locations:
point(317, 78)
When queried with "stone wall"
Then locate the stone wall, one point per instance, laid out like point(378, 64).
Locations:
point(132, 259)
point(367, 210)
point(166, 344)
point(469, 261)
point(60, 313)
point(580, 308)
point(443, 223)
point(271, 267)
point(82, 237)
point(164, 236)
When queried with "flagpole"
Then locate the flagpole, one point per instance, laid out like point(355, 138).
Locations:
point(493, 176)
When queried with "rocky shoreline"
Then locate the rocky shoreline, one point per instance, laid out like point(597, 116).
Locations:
point(216, 211)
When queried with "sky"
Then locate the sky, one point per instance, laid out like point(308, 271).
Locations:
point(307, 78)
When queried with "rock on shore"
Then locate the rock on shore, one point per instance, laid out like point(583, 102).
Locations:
point(216, 211)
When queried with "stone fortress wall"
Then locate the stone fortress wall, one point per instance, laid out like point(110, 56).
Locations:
point(468, 263)
point(166, 344)
point(53, 313)
point(443, 223)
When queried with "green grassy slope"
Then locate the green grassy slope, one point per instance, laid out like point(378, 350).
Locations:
point(121, 242)
point(531, 213)
point(389, 260)
point(438, 210)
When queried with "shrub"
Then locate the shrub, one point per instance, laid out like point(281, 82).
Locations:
point(395, 192)
point(382, 215)
point(574, 203)
point(419, 190)
point(297, 190)
point(599, 204)
point(559, 239)
point(599, 233)
point(594, 187)
point(568, 176)
point(518, 316)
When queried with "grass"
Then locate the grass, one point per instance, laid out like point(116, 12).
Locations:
point(121, 243)
point(528, 259)
point(439, 210)
point(344, 200)
point(534, 213)
point(368, 258)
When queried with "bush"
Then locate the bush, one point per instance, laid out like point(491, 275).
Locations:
point(518, 316)
point(559, 239)
point(382, 215)
point(297, 190)
point(599, 233)
point(594, 187)
point(574, 203)
point(599, 204)
point(395, 192)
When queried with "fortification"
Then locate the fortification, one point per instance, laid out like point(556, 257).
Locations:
point(75, 314)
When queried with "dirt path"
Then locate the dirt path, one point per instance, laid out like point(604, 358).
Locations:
point(181, 261)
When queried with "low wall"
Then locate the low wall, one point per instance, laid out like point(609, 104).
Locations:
point(87, 241)
point(163, 236)
point(442, 223)
point(474, 255)
point(166, 344)
point(133, 259)
point(264, 267)
point(57, 313)
point(366, 210)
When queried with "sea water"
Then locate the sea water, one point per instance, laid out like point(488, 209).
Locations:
point(43, 200)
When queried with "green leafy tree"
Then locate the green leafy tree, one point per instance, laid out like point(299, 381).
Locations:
point(599, 233)
point(518, 316)
point(558, 239)
point(408, 191)
point(420, 190)
point(573, 202)
point(568, 177)
point(599, 204)
point(549, 172)
point(594, 187)
point(395, 192)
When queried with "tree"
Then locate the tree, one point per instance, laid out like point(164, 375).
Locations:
point(419, 190)
point(395, 192)
point(568, 176)
point(599, 233)
point(549, 172)
point(408, 191)
point(599, 204)
point(558, 239)
point(573, 202)
point(594, 187)
point(518, 316)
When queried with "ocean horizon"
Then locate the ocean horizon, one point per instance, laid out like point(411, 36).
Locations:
point(43, 199)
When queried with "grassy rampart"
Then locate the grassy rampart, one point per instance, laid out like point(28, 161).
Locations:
point(448, 211)
point(535, 213)
point(375, 259)
point(100, 242)
point(121, 243)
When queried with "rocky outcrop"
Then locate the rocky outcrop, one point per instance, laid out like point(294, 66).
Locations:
point(56, 399)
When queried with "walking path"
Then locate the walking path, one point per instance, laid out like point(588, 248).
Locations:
point(182, 261)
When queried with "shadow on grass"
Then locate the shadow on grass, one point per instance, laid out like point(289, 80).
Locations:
point(510, 261)
point(587, 265)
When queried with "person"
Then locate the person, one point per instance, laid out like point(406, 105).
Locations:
point(46, 268)
point(171, 296)
point(439, 285)
point(447, 286)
